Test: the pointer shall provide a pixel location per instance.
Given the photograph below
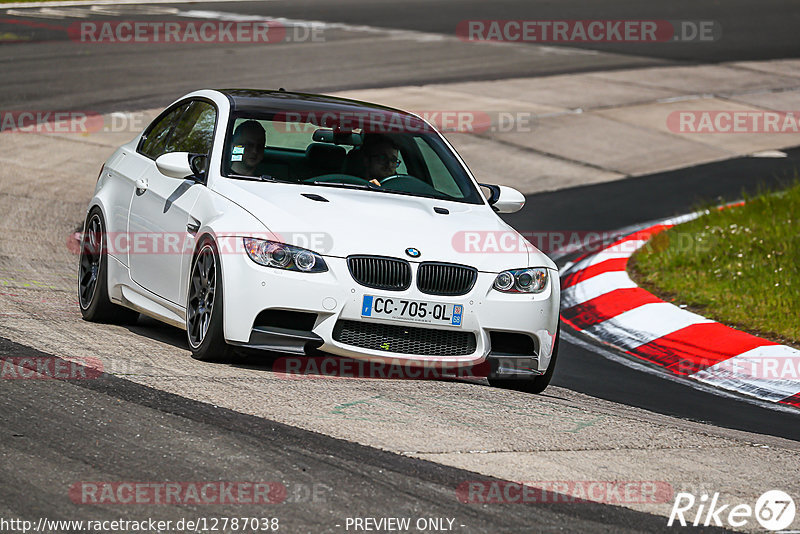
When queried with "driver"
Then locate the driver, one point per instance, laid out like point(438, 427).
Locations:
point(249, 140)
point(380, 155)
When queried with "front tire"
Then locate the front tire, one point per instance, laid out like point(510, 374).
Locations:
point(534, 385)
point(93, 299)
point(204, 309)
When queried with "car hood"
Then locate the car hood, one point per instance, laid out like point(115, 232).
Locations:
point(352, 221)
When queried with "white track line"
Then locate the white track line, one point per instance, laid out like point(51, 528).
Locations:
point(594, 287)
point(755, 372)
point(620, 250)
point(631, 329)
point(666, 375)
point(79, 3)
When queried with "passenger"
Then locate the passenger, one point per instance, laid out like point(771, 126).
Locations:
point(380, 157)
point(249, 141)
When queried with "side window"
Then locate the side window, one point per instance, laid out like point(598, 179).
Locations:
point(442, 179)
point(194, 131)
point(401, 169)
point(157, 135)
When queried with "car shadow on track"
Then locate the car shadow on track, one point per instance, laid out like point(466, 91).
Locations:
point(158, 331)
point(317, 364)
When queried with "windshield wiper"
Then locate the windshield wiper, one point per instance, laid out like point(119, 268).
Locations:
point(262, 178)
point(367, 187)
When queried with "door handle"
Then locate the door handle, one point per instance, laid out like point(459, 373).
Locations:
point(141, 185)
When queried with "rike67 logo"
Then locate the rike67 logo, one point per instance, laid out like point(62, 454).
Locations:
point(774, 510)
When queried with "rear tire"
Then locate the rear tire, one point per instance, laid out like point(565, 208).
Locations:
point(536, 384)
point(204, 309)
point(93, 299)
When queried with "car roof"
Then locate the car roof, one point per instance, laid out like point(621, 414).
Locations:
point(263, 100)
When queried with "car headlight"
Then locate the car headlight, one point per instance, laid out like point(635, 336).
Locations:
point(283, 256)
point(531, 280)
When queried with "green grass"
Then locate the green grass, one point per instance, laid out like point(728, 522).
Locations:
point(739, 266)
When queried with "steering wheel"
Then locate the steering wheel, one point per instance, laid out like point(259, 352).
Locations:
point(407, 184)
point(394, 178)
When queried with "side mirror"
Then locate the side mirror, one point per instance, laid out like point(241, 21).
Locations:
point(199, 164)
point(504, 199)
point(175, 165)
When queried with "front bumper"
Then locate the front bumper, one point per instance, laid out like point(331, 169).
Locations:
point(335, 297)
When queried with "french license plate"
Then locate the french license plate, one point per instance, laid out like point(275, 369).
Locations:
point(415, 311)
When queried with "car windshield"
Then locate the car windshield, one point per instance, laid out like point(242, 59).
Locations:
point(381, 151)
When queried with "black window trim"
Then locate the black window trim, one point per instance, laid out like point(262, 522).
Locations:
point(181, 103)
point(155, 121)
point(238, 114)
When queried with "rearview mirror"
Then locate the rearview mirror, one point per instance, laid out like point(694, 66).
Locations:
point(175, 165)
point(338, 137)
point(504, 199)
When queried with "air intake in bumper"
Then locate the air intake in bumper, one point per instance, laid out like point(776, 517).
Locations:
point(405, 339)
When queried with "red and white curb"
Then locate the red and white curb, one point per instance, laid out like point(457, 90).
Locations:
point(599, 299)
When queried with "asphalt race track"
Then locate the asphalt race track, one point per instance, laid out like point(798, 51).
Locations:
point(353, 448)
point(186, 438)
point(110, 78)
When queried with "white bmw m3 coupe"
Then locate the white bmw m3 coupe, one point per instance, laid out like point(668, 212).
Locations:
point(297, 223)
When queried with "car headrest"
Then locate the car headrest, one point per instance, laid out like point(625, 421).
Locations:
point(327, 156)
point(354, 163)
